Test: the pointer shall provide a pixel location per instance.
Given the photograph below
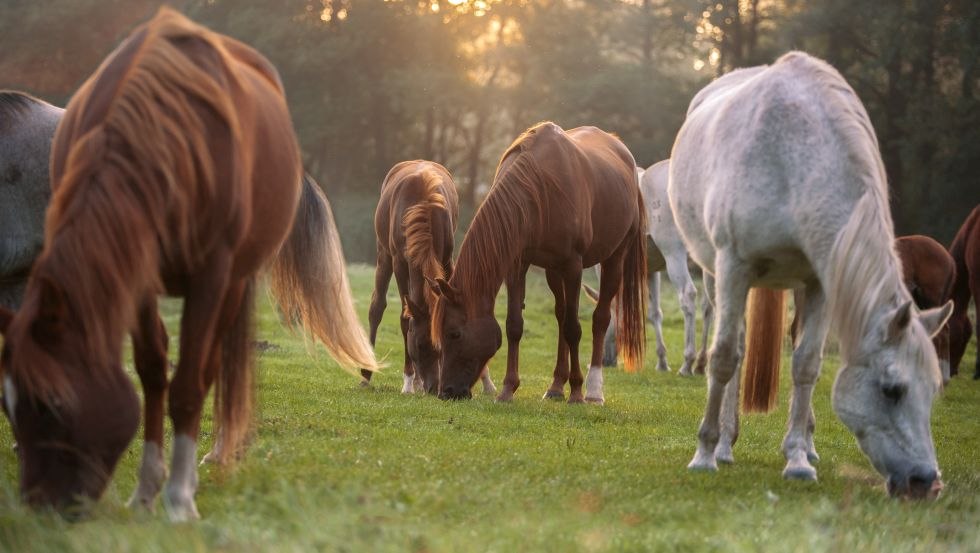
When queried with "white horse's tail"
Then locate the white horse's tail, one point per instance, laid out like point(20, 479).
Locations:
point(763, 352)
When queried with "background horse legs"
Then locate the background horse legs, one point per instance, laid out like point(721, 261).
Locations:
point(680, 277)
point(656, 317)
point(798, 444)
point(707, 307)
point(150, 357)
point(732, 281)
point(560, 375)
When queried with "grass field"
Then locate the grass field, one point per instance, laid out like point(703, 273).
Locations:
point(338, 468)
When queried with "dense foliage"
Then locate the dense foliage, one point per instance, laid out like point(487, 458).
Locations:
point(372, 82)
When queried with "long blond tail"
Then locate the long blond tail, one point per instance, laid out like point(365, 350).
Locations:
point(763, 352)
point(309, 282)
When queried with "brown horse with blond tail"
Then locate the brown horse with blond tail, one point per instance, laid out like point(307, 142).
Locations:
point(414, 225)
point(562, 201)
point(175, 170)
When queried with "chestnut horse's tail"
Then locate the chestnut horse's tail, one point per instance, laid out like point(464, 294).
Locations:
point(631, 308)
point(309, 282)
point(763, 352)
point(234, 389)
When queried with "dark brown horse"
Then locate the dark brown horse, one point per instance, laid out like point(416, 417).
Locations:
point(965, 250)
point(928, 272)
point(175, 170)
point(562, 201)
point(414, 225)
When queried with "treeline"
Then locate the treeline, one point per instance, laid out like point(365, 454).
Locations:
point(372, 82)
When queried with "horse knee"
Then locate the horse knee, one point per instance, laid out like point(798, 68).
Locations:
point(378, 305)
point(724, 360)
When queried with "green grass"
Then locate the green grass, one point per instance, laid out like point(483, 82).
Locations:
point(339, 468)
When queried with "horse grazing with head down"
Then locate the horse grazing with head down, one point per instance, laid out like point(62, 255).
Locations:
point(965, 250)
point(175, 170)
point(794, 194)
point(562, 201)
point(414, 225)
point(27, 126)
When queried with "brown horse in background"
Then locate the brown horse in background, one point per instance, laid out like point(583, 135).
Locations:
point(175, 170)
point(928, 272)
point(414, 225)
point(562, 201)
point(965, 250)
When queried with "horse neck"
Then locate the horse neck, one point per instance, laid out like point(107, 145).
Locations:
point(104, 261)
point(491, 248)
point(864, 274)
point(428, 238)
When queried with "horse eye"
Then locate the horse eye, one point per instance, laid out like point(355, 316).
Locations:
point(894, 391)
point(455, 335)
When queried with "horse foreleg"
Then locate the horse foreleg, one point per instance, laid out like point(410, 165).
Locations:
point(200, 336)
point(515, 330)
point(707, 314)
point(379, 301)
point(732, 280)
point(798, 444)
point(656, 316)
point(150, 357)
point(402, 281)
point(560, 375)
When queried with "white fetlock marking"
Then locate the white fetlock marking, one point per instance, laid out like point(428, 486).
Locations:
point(408, 384)
point(183, 480)
point(593, 385)
point(153, 471)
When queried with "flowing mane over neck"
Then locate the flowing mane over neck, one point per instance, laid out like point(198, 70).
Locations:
point(864, 272)
point(509, 218)
point(425, 225)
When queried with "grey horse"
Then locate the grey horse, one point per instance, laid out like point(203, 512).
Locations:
point(27, 126)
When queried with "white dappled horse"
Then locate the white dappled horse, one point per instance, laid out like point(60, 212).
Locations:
point(776, 181)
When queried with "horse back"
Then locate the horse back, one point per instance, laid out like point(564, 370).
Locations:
point(404, 187)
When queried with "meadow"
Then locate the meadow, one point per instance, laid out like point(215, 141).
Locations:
point(336, 467)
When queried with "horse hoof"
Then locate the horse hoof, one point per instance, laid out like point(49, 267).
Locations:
point(684, 372)
point(808, 474)
point(593, 400)
point(725, 458)
point(576, 400)
point(812, 457)
point(551, 394)
point(365, 384)
point(702, 466)
point(505, 397)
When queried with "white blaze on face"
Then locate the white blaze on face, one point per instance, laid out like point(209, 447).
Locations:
point(9, 396)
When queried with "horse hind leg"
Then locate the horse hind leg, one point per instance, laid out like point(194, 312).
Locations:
point(656, 317)
point(798, 445)
point(560, 375)
point(707, 308)
point(733, 287)
point(609, 284)
point(379, 301)
point(680, 277)
point(610, 353)
point(150, 357)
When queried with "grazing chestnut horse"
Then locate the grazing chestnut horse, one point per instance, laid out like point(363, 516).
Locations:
point(414, 225)
point(562, 201)
point(965, 250)
point(928, 272)
point(175, 170)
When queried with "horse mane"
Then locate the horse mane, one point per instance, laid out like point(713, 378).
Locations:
point(15, 102)
point(419, 238)
point(511, 215)
point(127, 188)
point(865, 270)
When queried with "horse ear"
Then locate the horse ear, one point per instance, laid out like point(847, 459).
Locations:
point(898, 320)
point(412, 309)
point(447, 291)
point(433, 285)
point(52, 312)
point(934, 319)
